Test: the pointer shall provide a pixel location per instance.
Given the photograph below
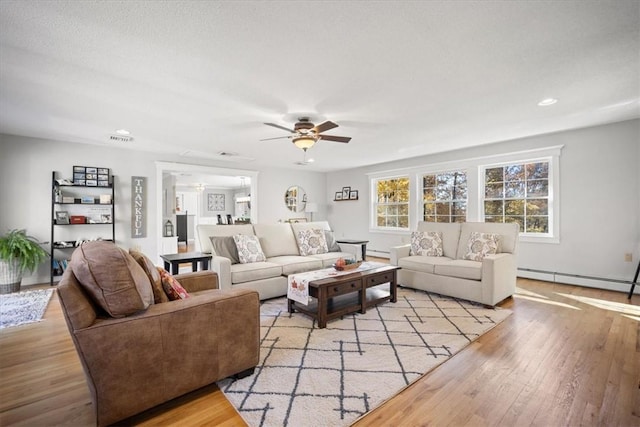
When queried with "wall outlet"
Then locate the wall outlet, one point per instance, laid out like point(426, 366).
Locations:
point(628, 257)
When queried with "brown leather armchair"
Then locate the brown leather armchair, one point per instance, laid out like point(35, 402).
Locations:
point(138, 361)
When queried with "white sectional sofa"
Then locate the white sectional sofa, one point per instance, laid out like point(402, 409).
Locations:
point(279, 244)
point(488, 281)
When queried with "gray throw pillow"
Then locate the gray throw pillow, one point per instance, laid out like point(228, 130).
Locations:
point(331, 241)
point(226, 247)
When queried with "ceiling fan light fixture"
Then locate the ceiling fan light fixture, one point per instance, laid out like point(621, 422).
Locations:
point(304, 142)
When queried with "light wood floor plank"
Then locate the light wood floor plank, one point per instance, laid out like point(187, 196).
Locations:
point(558, 360)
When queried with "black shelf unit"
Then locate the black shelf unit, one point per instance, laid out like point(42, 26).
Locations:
point(60, 250)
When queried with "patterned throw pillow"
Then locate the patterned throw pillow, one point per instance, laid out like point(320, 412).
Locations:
point(171, 286)
point(249, 249)
point(426, 243)
point(312, 242)
point(481, 245)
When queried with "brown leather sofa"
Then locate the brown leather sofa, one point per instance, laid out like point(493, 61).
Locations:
point(136, 358)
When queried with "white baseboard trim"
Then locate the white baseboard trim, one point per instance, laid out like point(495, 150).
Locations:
point(378, 254)
point(579, 280)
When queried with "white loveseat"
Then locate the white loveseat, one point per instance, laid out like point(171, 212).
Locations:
point(488, 281)
point(279, 244)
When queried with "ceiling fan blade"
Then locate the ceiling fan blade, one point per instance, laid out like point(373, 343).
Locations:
point(280, 127)
point(334, 138)
point(277, 137)
point(325, 126)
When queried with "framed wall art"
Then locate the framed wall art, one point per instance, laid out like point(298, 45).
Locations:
point(345, 193)
point(215, 202)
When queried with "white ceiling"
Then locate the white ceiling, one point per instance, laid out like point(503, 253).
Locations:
point(401, 78)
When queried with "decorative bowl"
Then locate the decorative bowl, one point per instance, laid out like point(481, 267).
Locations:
point(348, 267)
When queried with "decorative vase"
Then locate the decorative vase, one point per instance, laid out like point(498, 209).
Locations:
point(10, 276)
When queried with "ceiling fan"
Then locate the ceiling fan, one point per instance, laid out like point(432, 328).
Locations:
point(304, 133)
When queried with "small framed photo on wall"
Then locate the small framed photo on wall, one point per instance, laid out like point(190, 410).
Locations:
point(353, 195)
point(345, 193)
point(338, 195)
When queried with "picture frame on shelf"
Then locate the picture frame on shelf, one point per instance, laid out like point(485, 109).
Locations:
point(90, 176)
point(62, 217)
point(345, 193)
point(338, 195)
point(353, 195)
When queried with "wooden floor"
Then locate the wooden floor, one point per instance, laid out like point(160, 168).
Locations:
point(566, 356)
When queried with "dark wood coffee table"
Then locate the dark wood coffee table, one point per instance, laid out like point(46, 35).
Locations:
point(174, 260)
point(336, 296)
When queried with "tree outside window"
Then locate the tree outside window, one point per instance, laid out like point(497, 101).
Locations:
point(392, 203)
point(444, 197)
point(518, 193)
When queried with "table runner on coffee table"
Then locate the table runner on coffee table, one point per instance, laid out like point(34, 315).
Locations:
point(298, 288)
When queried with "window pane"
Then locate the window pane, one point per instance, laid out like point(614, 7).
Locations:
point(443, 209)
point(514, 207)
point(443, 192)
point(459, 193)
point(538, 170)
point(430, 218)
point(429, 181)
point(537, 224)
point(493, 219)
point(458, 219)
point(429, 208)
point(537, 207)
point(404, 221)
point(514, 189)
point(493, 207)
point(403, 210)
point(381, 221)
point(428, 194)
point(392, 210)
point(538, 188)
point(494, 175)
point(514, 172)
point(459, 208)
point(494, 191)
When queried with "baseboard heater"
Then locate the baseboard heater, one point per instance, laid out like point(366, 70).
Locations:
point(577, 279)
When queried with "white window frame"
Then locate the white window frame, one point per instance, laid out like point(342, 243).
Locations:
point(553, 158)
point(420, 196)
point(373, 214)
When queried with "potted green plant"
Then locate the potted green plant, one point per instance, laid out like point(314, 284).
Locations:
point(18, 253)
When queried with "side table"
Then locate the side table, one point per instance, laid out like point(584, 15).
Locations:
point(363, 244)
point(193, 257)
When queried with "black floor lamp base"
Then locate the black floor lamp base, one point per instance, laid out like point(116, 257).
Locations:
point(635, 281)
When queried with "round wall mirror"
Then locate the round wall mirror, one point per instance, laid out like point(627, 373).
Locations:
point(295, 198)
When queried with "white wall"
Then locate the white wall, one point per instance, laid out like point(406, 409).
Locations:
point(599, 201)
point(25, 187)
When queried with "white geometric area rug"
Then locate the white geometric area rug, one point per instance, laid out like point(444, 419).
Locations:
point(19, 308)
point(330, 377)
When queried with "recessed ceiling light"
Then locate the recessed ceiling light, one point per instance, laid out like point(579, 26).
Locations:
point(548, 101)
point(123, 132)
